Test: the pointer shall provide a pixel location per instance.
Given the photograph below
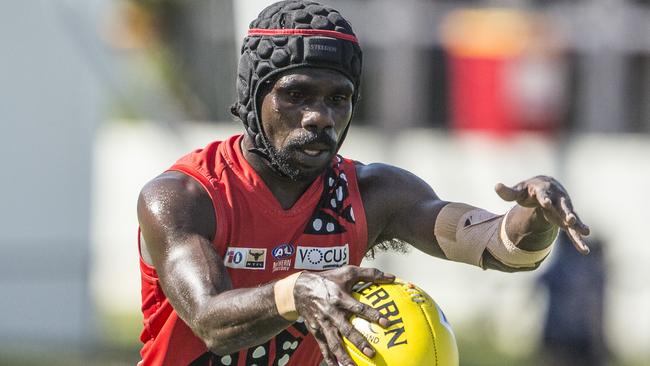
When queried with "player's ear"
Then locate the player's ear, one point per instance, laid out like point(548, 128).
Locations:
point(234, 110)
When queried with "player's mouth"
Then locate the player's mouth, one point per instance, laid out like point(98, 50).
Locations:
point(315, 153)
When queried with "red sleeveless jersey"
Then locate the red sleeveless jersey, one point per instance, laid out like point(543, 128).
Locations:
point(259, 242)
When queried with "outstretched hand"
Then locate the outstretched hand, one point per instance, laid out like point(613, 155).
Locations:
point(324, 301)
point(550, 196)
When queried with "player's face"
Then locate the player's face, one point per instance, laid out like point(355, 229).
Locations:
point(303, 114)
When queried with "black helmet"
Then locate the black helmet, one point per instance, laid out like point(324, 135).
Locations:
point(286, 35)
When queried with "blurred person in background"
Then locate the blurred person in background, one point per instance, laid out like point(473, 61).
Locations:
point(250, 246)
point(573, 328)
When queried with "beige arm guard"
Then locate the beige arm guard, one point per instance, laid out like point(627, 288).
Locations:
point(465, 232)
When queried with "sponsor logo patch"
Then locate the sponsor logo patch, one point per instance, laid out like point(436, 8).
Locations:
point(321, 258)
point(282, 255)
point(282, 265)
point(283, 251)
point(247, 258)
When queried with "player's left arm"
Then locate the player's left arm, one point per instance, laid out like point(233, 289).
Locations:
point(400, 205)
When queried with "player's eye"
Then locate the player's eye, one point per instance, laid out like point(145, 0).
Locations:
point(294, 94)
point(339, 98)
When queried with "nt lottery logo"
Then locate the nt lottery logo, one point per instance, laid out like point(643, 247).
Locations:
point(245, 258)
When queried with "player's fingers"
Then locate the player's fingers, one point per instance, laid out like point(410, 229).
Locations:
point(362, 310)
point(312, 325)
point(571, 218)
point(581, 227)
point(368, 274)
point(328, 356)
point(335, 344)
point(544, 199)
point(353, 335)
point(578, 241)
point(510, 193)
point(567, 208)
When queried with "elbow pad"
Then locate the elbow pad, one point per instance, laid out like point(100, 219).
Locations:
point(465, 232)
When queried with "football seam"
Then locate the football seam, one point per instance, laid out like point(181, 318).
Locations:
point(433, 337)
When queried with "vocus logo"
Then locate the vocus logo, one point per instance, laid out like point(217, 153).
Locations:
point(321, 258)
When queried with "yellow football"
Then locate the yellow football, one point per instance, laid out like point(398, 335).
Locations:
point(418, 334)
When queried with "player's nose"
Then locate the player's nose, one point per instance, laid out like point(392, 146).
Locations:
point(318, 117)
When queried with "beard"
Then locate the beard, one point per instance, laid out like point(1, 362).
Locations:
point(284, 158)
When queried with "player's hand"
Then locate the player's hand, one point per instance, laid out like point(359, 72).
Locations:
point(324, 301)
point(547, 194)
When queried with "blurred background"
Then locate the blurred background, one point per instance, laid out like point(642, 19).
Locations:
point(99, 96)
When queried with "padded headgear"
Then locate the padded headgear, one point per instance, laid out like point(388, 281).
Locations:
point(286, 35)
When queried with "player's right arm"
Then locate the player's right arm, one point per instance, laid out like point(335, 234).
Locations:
point(178, 223)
